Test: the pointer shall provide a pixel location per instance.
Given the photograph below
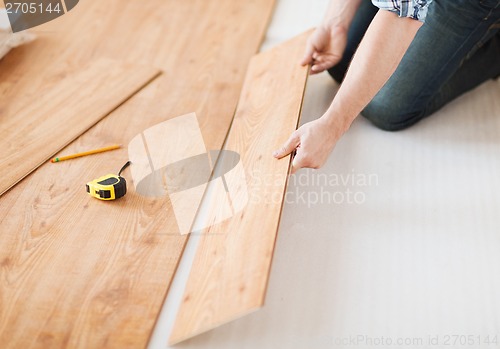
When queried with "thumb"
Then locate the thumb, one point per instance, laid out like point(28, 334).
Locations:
point(289, 146)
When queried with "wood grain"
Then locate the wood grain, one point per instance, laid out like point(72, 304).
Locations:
point(230, 271)
point(77, 272)
point(63, 112)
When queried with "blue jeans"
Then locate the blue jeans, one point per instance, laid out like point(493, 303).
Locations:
point(456, 49)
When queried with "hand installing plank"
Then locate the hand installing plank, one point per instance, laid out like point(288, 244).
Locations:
point(230, 272)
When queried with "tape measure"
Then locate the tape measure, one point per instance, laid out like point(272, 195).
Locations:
point(108, 187)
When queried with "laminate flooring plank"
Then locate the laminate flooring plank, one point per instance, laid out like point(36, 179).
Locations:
point(186, 39)
point(230, 271)
point(80, 273)
point(62, 113)
point(77, 272)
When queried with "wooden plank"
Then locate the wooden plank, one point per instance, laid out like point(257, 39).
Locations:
point(137, 32)
point(77, 272)
point(230, 271)
point(50, 122)
point(166, 161)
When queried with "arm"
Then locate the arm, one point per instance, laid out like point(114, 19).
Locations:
point(383, 47)
point(326, 45)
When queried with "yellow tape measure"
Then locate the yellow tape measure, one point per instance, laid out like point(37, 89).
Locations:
point(108, 187)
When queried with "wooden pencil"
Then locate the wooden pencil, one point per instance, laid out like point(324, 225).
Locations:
point(85, 153)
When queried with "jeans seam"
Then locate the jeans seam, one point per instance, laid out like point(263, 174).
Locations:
point(491, 11)
point(485, 38)
point(430, 82)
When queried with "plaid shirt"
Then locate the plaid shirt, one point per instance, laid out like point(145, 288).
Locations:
point(416, 9)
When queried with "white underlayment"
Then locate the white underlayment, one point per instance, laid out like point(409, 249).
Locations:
point(413, 256)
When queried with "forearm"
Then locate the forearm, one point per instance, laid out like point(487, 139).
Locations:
point(340, 12)
point(376, 59)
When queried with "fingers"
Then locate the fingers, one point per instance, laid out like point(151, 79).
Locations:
point(324, 62)
point(319, 63)
point(297, 162)
point(289, 146)
point(308, 55)
point(314, 44)
point(319, 67)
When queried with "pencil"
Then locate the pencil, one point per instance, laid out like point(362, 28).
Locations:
point(85, 153)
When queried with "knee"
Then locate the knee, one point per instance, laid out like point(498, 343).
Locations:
point(390, 116)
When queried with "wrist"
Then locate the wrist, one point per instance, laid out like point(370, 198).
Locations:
point(337, 121)
point(340, 14)
point(334, 24)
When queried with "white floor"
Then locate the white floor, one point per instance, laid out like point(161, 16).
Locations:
point(398, 244)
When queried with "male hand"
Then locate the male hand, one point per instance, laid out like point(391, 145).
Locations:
point(313, 143)
point(325, 47)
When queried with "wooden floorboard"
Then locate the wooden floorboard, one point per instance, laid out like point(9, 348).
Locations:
point(230, 271)
point(63, 112)
point(77, 272)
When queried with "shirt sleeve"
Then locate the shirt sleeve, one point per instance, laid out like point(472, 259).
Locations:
point(416, 9)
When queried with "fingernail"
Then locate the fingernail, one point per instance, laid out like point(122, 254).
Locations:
point(275, 153)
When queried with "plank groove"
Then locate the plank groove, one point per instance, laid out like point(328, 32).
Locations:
point(80, 273)
point(230, 271)
point(59, 115)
